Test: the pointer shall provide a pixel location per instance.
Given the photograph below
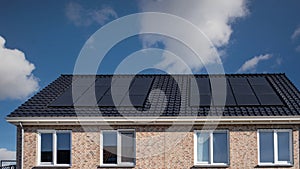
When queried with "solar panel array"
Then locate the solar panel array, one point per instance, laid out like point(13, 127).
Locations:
point(240, 91)
point(88, 92)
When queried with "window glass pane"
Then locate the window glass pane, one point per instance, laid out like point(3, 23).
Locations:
point(109, 147)
point(127, 147)
point(202, 147)
point(220, 148)
point(63, 148)
point(266, 145)
point(46, 147)
point(283, 146)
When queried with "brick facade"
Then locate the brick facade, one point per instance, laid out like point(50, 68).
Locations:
point(156, 147)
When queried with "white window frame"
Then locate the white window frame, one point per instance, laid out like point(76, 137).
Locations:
point(119, 155)
point(275, 148)
point(210, 162)
point(54, 137)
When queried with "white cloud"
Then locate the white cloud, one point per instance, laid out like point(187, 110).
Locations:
point(252, 63)
point(81, 16)
point(17, 80)
point(213, 17)
point(7, 155)
point(296, 34)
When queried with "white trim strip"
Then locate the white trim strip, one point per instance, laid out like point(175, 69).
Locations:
point(153, 120)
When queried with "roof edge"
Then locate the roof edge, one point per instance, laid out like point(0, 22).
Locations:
point(187, 120)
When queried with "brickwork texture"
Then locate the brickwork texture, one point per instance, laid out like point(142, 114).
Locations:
point(157, 147)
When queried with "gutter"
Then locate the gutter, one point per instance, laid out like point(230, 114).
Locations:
point(154, 120)
point(22, 143)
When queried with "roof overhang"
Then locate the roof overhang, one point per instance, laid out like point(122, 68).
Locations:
point(213, 120)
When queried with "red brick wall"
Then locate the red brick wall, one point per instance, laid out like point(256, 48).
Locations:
point(156, 148)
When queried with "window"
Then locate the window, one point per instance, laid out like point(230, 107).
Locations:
point(275, 147)
point(118, 148)
point(54, 147)
point(211, 148)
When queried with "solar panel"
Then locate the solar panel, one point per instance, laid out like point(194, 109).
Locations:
point(138, 92)
point(238, 81)
point(269, 99)
point(90, 97)
point(202, 80)
point(199, 91)
point(142, 81)
point(220, 86)
point(246, 100)
point(242, 89)
point(109, 102)
point(263, 89)
point(203, 89)
point(118, 90)
point(258, 81)
point(220, 92)
point(122, 81)
point(229, 100)
point(200, 100)
point(138, 83)
point(200, 86)
point(103, 82)
point(84, 82)
point(66, 99)
point(205, 100)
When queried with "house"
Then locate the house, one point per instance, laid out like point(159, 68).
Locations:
point(160, 121)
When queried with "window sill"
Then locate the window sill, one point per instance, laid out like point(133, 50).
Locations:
point(54, 166)
point(274, 165)
point(116, 166)
point(211, 165)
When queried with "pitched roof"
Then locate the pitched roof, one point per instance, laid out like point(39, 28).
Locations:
point(45, 103)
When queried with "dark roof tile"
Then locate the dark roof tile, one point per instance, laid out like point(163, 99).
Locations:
point(176, 101)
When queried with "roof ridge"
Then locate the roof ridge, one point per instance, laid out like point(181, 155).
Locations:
point(198, 74)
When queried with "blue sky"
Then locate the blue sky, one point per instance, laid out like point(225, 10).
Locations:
point(251, 36)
